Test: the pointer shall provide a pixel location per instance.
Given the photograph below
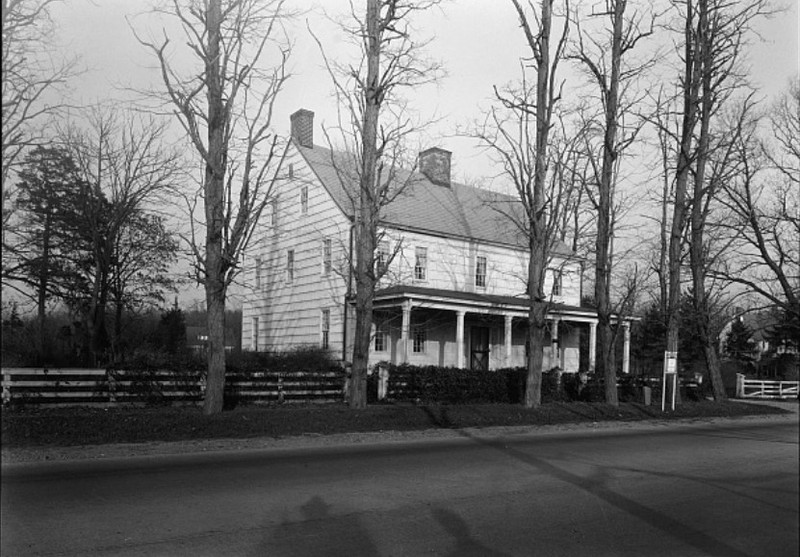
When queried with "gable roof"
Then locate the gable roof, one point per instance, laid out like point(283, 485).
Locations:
point(457, 211)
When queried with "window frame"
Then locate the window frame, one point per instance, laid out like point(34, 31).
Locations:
point(325, 329)
point(419, 339)
point(327, 257)
point(558, 282)
point(304, 200)
point(290, 266)
point(481, 279)
point(254, 323)
point(382, 334)
point(421, 264)
point(258, 283)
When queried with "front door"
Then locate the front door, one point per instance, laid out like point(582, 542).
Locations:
point(479, 348)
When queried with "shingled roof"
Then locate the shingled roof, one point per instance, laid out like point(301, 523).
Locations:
point(454, 211)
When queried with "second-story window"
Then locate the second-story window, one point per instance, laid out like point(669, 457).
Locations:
point(304, 200)
point(327, 256)
point(273, 213)
point(421, 264)
point(557, 280)
point(289, 265)
point(381, 258)
point(258, 272)
point(480, 272)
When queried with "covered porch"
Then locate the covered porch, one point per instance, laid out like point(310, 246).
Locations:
point(423, 326)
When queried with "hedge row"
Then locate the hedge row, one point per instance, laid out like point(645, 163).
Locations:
point(428, 384)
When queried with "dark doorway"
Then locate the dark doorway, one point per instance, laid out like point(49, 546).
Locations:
point(479, 348)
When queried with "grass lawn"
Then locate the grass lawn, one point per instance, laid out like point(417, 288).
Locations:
point(40, 427)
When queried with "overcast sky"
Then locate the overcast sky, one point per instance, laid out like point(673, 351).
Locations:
point(477, 41)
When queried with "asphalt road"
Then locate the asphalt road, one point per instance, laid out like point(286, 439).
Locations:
point(725, 490)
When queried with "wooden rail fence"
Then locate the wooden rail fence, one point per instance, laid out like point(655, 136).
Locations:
point(757, 388)
point(101, 387)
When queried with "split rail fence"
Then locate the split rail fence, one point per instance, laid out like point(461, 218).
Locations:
point(757, 388)
point(101, 387)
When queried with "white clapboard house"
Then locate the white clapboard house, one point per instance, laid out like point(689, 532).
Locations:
point(454, 291)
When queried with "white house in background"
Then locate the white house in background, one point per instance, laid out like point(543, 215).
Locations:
point(454, 291)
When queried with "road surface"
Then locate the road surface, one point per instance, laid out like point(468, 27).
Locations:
point(725, 490)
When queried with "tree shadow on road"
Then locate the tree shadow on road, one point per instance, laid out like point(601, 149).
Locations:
point(595, 485)
point(465, 543)
point(319, 532)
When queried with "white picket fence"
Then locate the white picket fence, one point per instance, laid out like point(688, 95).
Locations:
point(100, 387)
point(758, 388)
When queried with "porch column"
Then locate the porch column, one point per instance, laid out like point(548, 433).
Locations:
point(404, 331)
point(508, 320)
point(555, 359)
point(626, 347)
point(592, 345)
point(460, 338)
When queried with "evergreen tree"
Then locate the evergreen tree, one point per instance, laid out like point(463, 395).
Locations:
point(739, 343)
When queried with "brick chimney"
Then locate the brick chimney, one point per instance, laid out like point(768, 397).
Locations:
point(435, 164)
point(303, 127)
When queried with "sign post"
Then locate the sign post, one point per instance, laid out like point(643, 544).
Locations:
point(670, 373)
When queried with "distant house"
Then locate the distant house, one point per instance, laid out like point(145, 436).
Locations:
point(455, 289)
point(197, 339)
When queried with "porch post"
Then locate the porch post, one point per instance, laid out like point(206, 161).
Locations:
point(460, 339)
point(592, 345)
point(626, 348)
point(555, 359)
point(508, 320)
point(404, 331)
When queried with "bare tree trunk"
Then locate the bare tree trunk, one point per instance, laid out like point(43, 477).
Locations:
point(537, 233)
point(367, 215)
point(214, 188)
point(602, 285)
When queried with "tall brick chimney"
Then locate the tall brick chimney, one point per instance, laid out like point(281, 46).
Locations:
point(435, 164)
point(303, 127)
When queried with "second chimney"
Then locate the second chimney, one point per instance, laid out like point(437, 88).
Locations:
point(434, 163)
point(303, 127)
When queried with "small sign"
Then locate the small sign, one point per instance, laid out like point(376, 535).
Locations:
point(671, 371)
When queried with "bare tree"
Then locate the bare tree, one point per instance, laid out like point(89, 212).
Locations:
point(127, 168)
point(763, 202)
point(517, 132)
point(713, 34)
point(224, 102)
point(31, 68)
point(374, 127)
point(605, 55)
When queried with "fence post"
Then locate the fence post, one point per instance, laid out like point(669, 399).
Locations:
point(739, 385)
point(280, 387)
point(383, 382)
point(112, 386)
point(6, 388)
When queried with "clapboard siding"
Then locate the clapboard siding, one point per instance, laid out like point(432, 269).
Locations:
point(289, 312)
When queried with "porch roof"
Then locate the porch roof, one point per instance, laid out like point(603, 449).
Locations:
point(475, 302)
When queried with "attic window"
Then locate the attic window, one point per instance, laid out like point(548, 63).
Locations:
point(304, 200)
point(291, 171)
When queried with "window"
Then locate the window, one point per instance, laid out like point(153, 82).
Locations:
point(381, 258)
point(421, 264)
point(418, 340)
point(291, 171)
point(289, 265)
point(480, 272)
point(254, 339)
point(258, 272)
point(273, 213)
point(325, 328)
point(381, 337)
point(327, 257)
point(304, 200)
point(557, 279)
